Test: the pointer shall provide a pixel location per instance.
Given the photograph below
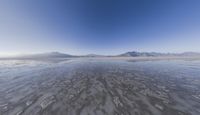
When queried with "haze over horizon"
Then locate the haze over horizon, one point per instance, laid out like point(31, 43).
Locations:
point(106, 27)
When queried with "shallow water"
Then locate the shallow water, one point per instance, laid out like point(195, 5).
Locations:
point(99, 87)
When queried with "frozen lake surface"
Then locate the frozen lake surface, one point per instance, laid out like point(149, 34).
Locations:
point(99, 87)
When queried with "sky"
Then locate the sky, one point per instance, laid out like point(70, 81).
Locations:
point(99, 26)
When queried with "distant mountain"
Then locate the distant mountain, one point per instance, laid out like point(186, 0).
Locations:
point(127, 54)
point(155, 54)
point(139, 54)
point(48, 55)
point(93, 55)
point(42, 56)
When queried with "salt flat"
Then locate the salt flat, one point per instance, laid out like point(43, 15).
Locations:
point(94, 86)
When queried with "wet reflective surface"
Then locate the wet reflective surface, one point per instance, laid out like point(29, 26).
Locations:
point(99, 87)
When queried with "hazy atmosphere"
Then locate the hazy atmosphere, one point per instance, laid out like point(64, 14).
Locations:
point(99, 26)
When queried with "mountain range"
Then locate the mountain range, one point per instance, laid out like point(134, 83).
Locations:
point(156, 54)
point(127, 54)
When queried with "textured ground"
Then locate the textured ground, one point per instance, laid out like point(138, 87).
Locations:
point(99, 87)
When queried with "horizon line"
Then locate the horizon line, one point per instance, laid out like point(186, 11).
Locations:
point(35, 53)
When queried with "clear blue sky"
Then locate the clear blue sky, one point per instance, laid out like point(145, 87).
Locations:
point(99, 26)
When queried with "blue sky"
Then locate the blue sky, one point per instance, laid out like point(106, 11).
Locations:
point(99, 26)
